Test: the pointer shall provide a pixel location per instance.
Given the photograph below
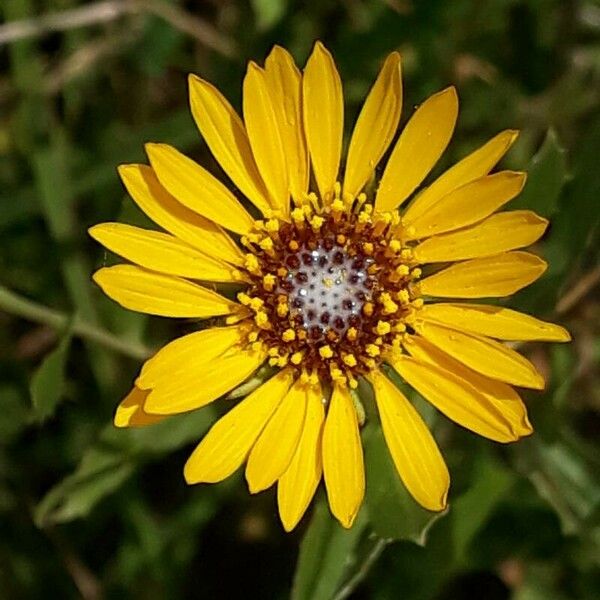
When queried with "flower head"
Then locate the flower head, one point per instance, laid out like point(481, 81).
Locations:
point(336, 283)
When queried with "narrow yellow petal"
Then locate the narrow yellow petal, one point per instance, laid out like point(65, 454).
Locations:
point(499, 275)
point(162, 252)
point(494, 321)
point(224, 133)
point(343, 463)
point(298, 484)
point(457, 399)
point(285, 84)
point(482, 354)
point(416, 455)
point(147, 192)
point(276, 445)
point(188, 353)
point(499, 233)
point(130, 412)
point(197, 387)
point(418, 149)
point(375, 127)
point(501, 395)
point(197, 189)
point(156, 294)
point(467, 205)
point(475, 165)
point(323, 114)
point(265, 140)
point(228, 442)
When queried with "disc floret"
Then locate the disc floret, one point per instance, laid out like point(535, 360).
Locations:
point(332, 289)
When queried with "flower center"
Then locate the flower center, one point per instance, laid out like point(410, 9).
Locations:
point(327, 289)
point(330, 291)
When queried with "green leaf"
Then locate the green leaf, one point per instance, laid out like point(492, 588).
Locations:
point(393, 513)
point(327, 552)
point(107, 464)
point(491, 483)
point(546, 176)
point(562, 476)
point(268, 12)
point(48, 382)
point(101, 471)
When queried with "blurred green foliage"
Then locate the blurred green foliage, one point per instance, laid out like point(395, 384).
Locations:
point(90, 511)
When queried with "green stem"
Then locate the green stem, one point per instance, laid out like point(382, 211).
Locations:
point(363, 571)
point(22, 307)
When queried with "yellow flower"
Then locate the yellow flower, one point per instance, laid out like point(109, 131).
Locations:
point(335, 284)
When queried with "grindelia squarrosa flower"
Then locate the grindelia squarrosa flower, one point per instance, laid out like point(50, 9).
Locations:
point(337, 275)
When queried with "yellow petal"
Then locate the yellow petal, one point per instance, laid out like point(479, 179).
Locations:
point(503, 397)
point(197, 189)
point(275, 447)
point(418, 148)
point(498, 233)
point(416, 455)
point(188, 353)
point(482, 354)
point(224, 133)
point(298, 484)
point(494, 321)
point(285, 84)
point(156, 294)
point(130, 412)
point(323, 114)
point(161, 252)
point(147, 192)
point(343, 464)
point(375, 127)
point(265, 139)
point(467, 205)
point(475, 165)
point(228, 442)
point(499, 275)
point(457, 399)
point(199, 386)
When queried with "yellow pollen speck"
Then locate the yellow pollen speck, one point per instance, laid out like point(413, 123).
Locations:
point(383, 327)
point(316, 222)
point(298, 215)
point(369, 362)
point(256, 303)
point(418, 303)
point(273, 351)
point(282, 309)
point(368, 248)
point(326, 351)
point(352, 334)
point(402, 270)
point(272, 225)
point(269, 281)
point(406, 254)
point(293, 245)
point(416, 273)
point(288, 335)
point(244, 298)
point(403, 296)
point(302, 334)
point(281, 272)
point(340, 238)
point(350, 360)
point(395, 245)
point(328, 282)
point(266, 244)
point(372, 350)
point(296, 358)
point(261, 319)
point(368, 308)
point(399, 327)
point(253, 336)
point(251, 263)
